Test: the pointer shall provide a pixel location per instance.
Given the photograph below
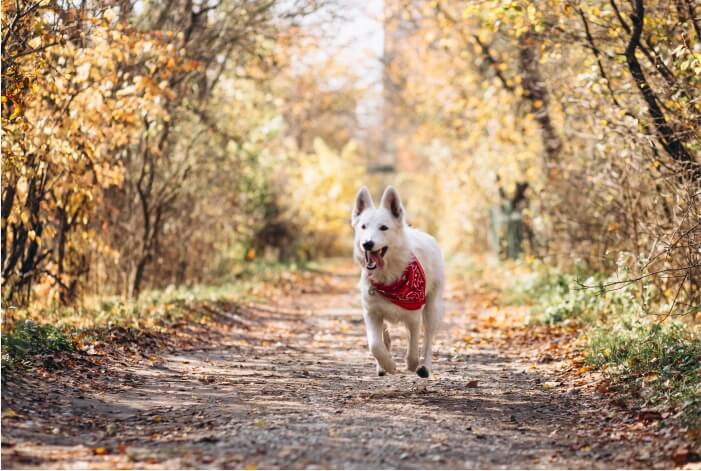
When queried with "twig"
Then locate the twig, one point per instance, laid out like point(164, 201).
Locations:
point(582, 286)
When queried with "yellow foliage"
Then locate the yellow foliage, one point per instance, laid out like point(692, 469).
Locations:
point(320, 191)
point(69, 113)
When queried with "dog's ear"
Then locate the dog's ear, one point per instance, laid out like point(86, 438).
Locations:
point(391, 201)
point(363, 201)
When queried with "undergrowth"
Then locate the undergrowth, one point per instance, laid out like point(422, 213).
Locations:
point(44, 329)
point(26, 339)
point(659, 363)
point(646, 354)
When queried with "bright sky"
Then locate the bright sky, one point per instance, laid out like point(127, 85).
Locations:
point(360, 34)
point(356, 38)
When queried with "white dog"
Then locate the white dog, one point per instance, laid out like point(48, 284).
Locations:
point(402, 279)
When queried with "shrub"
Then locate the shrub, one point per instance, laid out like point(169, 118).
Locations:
point(661, 363)
point(653, 358)
point(27, 338)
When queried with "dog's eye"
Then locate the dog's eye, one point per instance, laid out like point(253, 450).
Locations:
point(363, 226)
point(383, 227)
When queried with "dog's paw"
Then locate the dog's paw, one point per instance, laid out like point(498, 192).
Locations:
point(422, 372)
point(387, 369)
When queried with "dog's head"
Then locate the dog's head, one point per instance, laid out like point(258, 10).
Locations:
point(379, 230)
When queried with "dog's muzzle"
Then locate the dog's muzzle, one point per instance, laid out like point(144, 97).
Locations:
point(375, 258)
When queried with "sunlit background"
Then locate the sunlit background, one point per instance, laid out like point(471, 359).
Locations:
point(156, 144)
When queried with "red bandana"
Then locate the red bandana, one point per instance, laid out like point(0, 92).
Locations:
point(409, 291)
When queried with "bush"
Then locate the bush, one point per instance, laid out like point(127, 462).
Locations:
point(560, 297)
point(655, 359)
point(659, 362)
point(27, 338)
point(319, 197)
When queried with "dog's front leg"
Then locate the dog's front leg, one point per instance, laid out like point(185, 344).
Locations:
point(431, 317)
point(413, 324)
point(375, 329)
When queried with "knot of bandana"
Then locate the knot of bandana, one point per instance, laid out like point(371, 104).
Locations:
point(409, 291)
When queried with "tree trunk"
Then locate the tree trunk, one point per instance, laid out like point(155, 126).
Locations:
point(537, 95)
point(138, 277)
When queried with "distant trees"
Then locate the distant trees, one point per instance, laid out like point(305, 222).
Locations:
point(135, 138)
point(595, 104)
point(214, 40)
point(148, 144)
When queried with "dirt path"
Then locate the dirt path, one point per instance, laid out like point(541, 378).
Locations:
point(291, 385)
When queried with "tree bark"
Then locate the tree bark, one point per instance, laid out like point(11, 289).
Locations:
point(537, 95)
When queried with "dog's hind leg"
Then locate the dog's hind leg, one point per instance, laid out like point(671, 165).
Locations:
point(376, 341)
point(431, 317)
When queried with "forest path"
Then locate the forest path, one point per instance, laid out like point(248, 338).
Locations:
point(292, 385)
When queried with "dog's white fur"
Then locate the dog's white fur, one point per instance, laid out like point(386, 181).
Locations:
point(402, 241)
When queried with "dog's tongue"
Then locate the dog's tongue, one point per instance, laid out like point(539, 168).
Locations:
point(378, 258)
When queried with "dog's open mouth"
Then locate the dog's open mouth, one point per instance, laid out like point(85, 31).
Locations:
point(375, 258)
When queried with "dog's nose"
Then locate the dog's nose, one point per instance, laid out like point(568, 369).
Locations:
point(368, 244)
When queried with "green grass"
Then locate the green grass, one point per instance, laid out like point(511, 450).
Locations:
point(26, 339)
point(655, 361)
point(659, 363)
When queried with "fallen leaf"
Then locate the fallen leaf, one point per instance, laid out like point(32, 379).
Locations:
point(99, 451)
point(650, 377)
point(683, 455)
point(649, 415)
